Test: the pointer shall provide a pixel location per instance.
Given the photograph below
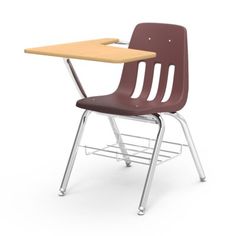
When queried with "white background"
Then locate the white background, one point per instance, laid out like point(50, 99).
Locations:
point(38, 120)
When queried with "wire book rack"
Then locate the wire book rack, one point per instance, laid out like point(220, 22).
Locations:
point(138, 149)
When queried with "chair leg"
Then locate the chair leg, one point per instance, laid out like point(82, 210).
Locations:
point(191, 146)
point(152, 166)
point(119, 141)
point(73, 153)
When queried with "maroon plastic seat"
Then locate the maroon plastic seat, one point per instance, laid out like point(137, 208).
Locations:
point(170, 44)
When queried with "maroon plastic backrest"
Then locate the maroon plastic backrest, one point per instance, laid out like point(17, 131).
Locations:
point(170, 44)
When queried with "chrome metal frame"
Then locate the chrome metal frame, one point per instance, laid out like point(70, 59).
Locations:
point(154, 118)
point(191, 145)
point(152, 166)
point(119, 141)
point(73, 153)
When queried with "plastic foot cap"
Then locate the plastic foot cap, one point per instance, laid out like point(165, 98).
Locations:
point(203, 179)
point(128, 164)
point(141, 211)
point(61, 193)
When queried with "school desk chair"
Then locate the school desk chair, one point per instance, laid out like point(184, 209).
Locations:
point(154, 44)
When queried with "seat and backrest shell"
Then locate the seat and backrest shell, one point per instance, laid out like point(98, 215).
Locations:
point(170, 44)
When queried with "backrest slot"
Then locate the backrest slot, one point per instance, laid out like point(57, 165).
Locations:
point(155, 82)
point(170, 80)
point(139, 80)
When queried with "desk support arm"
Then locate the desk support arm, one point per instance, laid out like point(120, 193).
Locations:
point(75, 78)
